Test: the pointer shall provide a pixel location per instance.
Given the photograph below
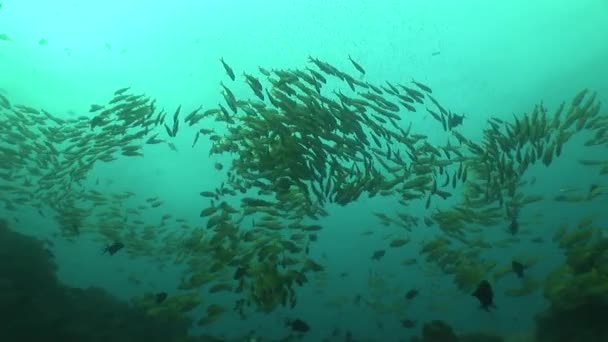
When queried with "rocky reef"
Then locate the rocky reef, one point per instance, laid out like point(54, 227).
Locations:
point(35, 306)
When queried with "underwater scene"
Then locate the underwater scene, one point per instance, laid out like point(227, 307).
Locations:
point(304, 170)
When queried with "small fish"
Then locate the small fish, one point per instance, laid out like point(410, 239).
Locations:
point(357, 299)
point(514, 226)
point(94, 108)
point(230, 99)
point(42, 41)
point(121, 91)
point(198, 134)
point(485, 295)
point(411, 294)
point(399, 242)
point(408, 323)
point(423, 87)
point(228, 69)
point(378, 254)
point(160, 297)
point(240, 273)
point(113, 248)
point(455, 120)
point(298, 325)
point(436, 53)
point(356, 65)
point(518, 268)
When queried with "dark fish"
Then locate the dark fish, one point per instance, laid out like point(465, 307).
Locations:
point(230, 98)
point(298, 325)
point(113, 248)
point(411, 294)
point(378, 254)
point(255, 85)
point(514, 226)
point(121, 91)
point(228, 69)
point(485, 295)
point(408, 106)
point(357, 299)
point(518, 268)
point(455, 120)
point(95, 108)
point(160, 297)
point(240, 273)
point(408, 323)
point(423, 87)
point(357, 65)
point(198, 134)
point(176, 113)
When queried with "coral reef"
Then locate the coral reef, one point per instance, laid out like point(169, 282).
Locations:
point(35, 306)
point(577, 291)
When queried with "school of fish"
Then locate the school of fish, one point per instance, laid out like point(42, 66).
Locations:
point(302, 138)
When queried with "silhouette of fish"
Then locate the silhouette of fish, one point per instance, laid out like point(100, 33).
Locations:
point(514, 226)
point(113, 248)
point(378, 254)
point(411, 294)
point(485, 295)
point(298, 325)
point(518, 268)
point(408, 323)
point(160, 297)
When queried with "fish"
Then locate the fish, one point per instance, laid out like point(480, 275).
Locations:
point(255, 85)
point(229, 97)
point(357, 300)
point(298, 325)
point(518, 268)
point(113, 248)
point(423, 87)
point(408, 323)
point(537, 239)
point(399, 242)
point(411, 294)
point(121, 91)
point(240, 273)
point(378, 254)
point(198, 134)
point(160, 297)
point(485, 295)
point(514, 226)
point(455, 120)
point(356, 65)
point(95, 107)
point(228, 69)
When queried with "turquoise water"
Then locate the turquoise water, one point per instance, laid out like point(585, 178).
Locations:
point(481, 59)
